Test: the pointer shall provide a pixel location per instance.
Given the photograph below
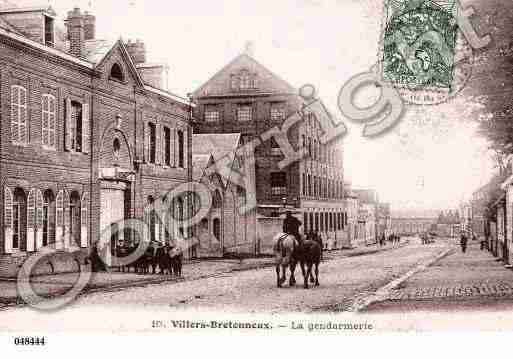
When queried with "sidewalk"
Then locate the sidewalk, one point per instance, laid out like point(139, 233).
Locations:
point(474, 280)
point(52, 285)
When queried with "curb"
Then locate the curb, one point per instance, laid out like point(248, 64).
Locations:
point(384, 292)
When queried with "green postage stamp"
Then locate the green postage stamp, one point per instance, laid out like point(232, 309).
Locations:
point(423, 53)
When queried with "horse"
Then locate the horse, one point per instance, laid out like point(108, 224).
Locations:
point(289, 251)
point(283, 248)
point(176, 258)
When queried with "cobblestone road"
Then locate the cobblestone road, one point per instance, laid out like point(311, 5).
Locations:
point(342, 281)
point(461, 281)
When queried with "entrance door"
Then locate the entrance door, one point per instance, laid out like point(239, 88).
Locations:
point(113, 208)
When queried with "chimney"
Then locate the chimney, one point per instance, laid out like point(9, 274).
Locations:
point(76, 32)
point(137, 51)
point(89, 26)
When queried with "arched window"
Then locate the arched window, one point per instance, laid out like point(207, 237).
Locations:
point(217, 228)
point(48, 217)
point(18, 114)
point(116, 146)
point(116, 73)
point(217, 199)
point(19, 217)
point(49, 113)
point(75, 211)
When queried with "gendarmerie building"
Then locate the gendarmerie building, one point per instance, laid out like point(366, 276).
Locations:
point(246, 98)
point(89, 136)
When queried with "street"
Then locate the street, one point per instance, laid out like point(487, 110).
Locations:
point(343, 281)
point(411, 280)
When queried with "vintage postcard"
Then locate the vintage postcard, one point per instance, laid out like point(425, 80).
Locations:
point(266, 167)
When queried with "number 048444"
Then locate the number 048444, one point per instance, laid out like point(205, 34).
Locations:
point(29, 341)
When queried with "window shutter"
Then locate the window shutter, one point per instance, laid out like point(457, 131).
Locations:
point(39, 219)
point(59, 220)
point(173, 147)
point(86, 138)
point(52, 103)
point(158, 144)
point(23, 116)
point(185, 148)
point(45, 120)
point(8, 220)
point(146, 148)
point(67, 127)
point(84, 240)
point(163, 146)
point(31, 221)
point(14, 114)
point(67, 221)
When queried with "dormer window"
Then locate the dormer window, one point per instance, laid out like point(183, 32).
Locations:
point(245, 81)
point(49, 31)
point(116, 73)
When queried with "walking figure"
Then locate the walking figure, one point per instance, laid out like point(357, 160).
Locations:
point(463, 242)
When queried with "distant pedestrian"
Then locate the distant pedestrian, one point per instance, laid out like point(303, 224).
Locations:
point(463, 242)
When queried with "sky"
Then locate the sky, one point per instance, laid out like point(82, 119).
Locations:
point(431, 159)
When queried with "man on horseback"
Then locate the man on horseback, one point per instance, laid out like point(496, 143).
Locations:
point(291, 226)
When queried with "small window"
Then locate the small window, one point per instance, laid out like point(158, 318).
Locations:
point(278, 183)
point(244, 113)
point(275, 148)
point(49, 32)
point(212, 114)
point(116, 73)
point(245, 81)
point(277, 112)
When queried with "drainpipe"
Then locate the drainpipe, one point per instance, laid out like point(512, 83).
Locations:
point(505, 254)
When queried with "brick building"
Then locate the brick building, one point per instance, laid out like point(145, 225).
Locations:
point(86, 139)
point(245, 97)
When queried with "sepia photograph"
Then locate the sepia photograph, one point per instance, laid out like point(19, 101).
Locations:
point(297, 166)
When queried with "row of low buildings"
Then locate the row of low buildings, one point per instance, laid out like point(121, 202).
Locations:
point(488, 215)
point(90, 136)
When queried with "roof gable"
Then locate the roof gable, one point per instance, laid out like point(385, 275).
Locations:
point(266, 80)
point(100, 51)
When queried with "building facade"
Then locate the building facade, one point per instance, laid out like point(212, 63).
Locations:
point(85, 142)
point(226, 230)
point(246, 98)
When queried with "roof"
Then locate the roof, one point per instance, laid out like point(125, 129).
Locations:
point(199, 164)
point(216, 144)
point(96, 50)
point(239, 58)
point(366, 195)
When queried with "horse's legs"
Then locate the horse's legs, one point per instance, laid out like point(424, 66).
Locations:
point(308, 271)
point(292, 280)
point(283, 277)
point(278, 282)
point(305, 276)
point(316, 274)
point(312, 280)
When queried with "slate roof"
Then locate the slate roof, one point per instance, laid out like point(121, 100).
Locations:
point(217, 144)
